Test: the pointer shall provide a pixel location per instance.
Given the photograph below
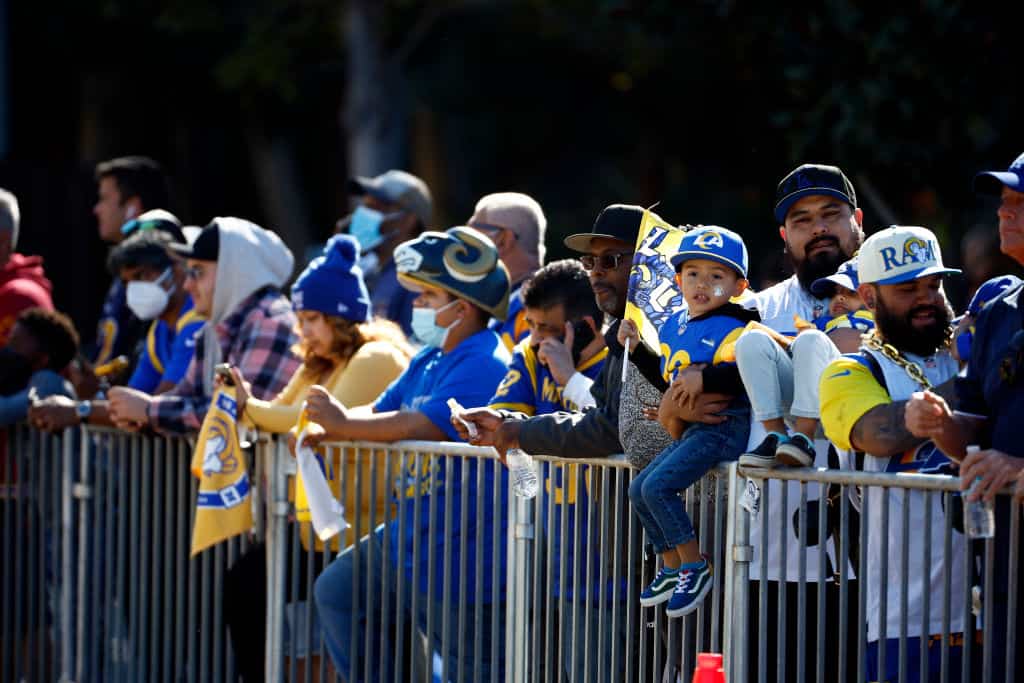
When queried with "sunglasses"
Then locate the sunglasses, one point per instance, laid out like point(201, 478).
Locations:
point(606, 261)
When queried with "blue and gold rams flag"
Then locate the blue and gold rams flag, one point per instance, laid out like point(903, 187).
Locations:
point(222, 506)
point(653, 295)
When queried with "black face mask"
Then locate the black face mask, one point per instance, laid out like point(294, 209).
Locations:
point(582, 336)
point(15, 372)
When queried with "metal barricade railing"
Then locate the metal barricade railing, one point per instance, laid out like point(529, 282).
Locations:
point(896, 565)
point(575, 558)
point(97, 580)
point(416, 587)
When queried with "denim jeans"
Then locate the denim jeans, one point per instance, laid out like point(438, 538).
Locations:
point(655, 490)
point(344, 612)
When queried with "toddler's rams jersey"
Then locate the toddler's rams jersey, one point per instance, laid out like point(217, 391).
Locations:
point(530, 388)
point(703, 339)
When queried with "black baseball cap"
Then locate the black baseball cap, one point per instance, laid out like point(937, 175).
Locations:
point(205, 247)
point(812, 179)
point(618, 221)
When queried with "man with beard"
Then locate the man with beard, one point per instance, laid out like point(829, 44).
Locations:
point(863, 402)
point(990, 403)
point(820, 226)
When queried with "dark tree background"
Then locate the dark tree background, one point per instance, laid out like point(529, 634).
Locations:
point(261, 109)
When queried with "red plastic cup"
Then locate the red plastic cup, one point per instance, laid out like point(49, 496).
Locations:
point(709, 668)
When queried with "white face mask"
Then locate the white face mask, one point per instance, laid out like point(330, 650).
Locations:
point(147, 300)
point(425, 327)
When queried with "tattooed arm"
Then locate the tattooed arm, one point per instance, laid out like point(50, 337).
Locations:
point(882, 431)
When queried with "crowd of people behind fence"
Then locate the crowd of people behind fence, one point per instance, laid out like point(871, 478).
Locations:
point(857, 361)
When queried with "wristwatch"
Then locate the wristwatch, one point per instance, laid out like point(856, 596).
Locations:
point(83, 409)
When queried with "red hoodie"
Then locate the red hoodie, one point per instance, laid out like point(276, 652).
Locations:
point(23, 284)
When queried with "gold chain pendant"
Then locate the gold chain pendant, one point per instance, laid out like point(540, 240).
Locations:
point(913, 370)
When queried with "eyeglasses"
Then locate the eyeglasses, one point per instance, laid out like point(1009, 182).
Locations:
point(606, 261)
point(193, 272)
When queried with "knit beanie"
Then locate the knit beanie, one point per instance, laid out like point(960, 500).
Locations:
point(333, 284)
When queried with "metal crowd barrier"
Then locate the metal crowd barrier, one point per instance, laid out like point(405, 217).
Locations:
point(97, 585)
point(97, 581)
point(817, 630)
point(569, 609)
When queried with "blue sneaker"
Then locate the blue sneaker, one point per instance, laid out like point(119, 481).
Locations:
point(694, 585)
point(661, 588)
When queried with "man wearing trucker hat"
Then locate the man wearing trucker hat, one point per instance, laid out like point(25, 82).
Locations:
point(863, 402)
point(460, 283)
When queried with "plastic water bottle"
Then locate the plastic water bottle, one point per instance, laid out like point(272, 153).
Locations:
point(523, 473)
point(979, 515)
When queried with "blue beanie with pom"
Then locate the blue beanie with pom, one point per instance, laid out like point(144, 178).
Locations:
point(333, 284)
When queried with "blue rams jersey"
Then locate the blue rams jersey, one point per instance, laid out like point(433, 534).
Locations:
point(685, 342)
point(862, 321)
point(514, 328)
point(530, 388)
point(168, 351)
point(118, 330)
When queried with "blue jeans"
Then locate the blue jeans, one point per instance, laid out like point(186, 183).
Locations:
point(344, 612)
point(655, 490)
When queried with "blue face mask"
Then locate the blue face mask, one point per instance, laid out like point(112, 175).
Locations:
point(365, 226)
point(425, 327)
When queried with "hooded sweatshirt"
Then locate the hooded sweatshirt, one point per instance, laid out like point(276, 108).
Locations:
point(252, 326)
point(23, 285)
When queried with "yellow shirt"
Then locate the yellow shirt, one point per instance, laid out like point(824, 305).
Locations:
point(368, 372)
point(848, 390)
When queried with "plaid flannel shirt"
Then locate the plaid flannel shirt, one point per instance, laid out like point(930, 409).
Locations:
point(259, 339)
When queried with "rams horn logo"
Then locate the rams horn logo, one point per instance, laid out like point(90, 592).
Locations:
point(709, 240)
point(915, 249)
point(217, 457)
point(462, 263)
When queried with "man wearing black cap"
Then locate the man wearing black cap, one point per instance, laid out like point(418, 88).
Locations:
point(990, 403)
point(607, 254)
point(394, 207)
point(235, 271)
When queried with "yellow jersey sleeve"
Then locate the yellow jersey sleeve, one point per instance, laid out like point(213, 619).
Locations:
point(848, 390)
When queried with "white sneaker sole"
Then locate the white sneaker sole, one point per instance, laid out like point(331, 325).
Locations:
point(657, 599)
point(791, 455)
point(758, 461)
point(698, 601)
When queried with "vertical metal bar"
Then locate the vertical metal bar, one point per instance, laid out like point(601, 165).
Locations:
point(762, 592)
point(217, 617)
point(399, 564)
point(182, 477)
point(67, 573)
point(947, 586)
point(823, 539)
point(577, 553)
point(446, 570)
point(883, 586)
point(497, 471)
point(291, 539)
point(387, 659)
point(478, 595)
point(89, 549)
point(432, 533)
point(417, 503)
point(968, 561)
point(615, 595)
point(801, 588)
point(156, 603)
point(588, 535)
point(988, 609)
point(1011, 603)
point(634, 619)
point(844, 582)
point(140, 582)
point(780, 650)
point(926, 561)
point(173, 551)
point(905, 497)
point(567, 548)
point(535, 655)
point(863, 581)
point(463, 560)
point(603, 596)
point(8, 503)
point(735, 644)
point(717, 613)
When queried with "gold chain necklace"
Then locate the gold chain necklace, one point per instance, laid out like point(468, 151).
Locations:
point(913, 370)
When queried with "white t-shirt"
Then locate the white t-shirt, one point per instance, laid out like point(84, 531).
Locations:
point(923, 575)
point(777, 305)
